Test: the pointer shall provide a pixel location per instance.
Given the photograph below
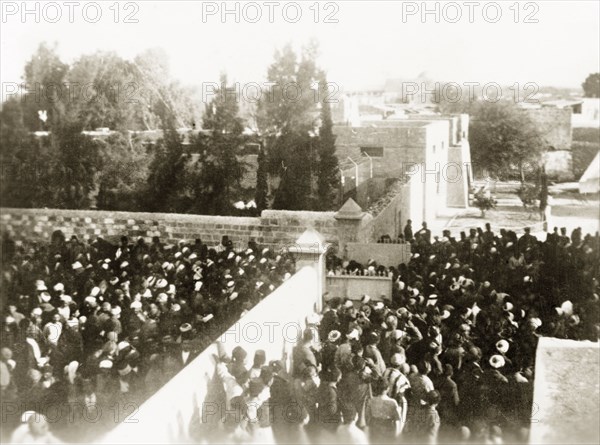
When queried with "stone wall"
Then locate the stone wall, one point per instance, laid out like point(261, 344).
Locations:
point(555, 126)
point(354, 287)
point(559, 164)
point(273, 228)
point(566, 392)
point(384, 254)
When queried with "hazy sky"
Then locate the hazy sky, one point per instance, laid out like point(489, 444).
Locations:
point(372, 40)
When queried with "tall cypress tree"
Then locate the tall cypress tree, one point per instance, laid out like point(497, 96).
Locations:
point(262, 188)
point(328, 180)
point(167, 169)
point(218, 171)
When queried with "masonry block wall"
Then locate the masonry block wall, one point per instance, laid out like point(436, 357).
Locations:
point(402, 146)
point(555, 126)
point(274, 228)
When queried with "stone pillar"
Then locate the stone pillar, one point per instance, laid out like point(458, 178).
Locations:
point(350, 221)
point(309, 250)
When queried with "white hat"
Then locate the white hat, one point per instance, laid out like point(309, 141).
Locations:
point(90, 300)
point(497, 361)
point(45, 297)
point(536, 322)
point(502, 346)
point(208, 318)
point(334, 336)
point(77, 265)
point(176, 307)
point(161, 283)
point(162, 298)
point(122, 345)
point(136, 305)
point(171, 290)
point(37, 311)
point(233, 296)
point(353, 335)
point(95, 291)
point(124, 264)
point(59, 287)
point(40, 286)
point(114, 280)
point(365, 299)
point(378, 306)
point(106, 364)
point(115, 310)
point(185, 327)
point(193, 256)
point(198, 286)
point(567, 308)
point(231, 283)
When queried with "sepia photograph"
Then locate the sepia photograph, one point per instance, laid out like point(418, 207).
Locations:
point(300, 222)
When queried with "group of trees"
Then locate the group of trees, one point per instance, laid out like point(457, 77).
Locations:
point(297, 129)
point(65, 168)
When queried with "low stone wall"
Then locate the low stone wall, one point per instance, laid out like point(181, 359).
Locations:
point(274, 228)
point(385, 254)
point(354, 287)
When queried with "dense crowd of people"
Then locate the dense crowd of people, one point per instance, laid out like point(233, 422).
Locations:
point(450, 357)
point(90, 330)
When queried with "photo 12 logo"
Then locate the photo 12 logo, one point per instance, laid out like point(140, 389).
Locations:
point(470, 12)
point(454, 92)
point(69, 12)
point(270, 12)
point(254, 92)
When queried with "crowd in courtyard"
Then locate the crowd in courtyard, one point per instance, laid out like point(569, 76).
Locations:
point(95, 327)
point(449, 358)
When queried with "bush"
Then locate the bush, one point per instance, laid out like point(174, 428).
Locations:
point(528, 193)
point(484, 201)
